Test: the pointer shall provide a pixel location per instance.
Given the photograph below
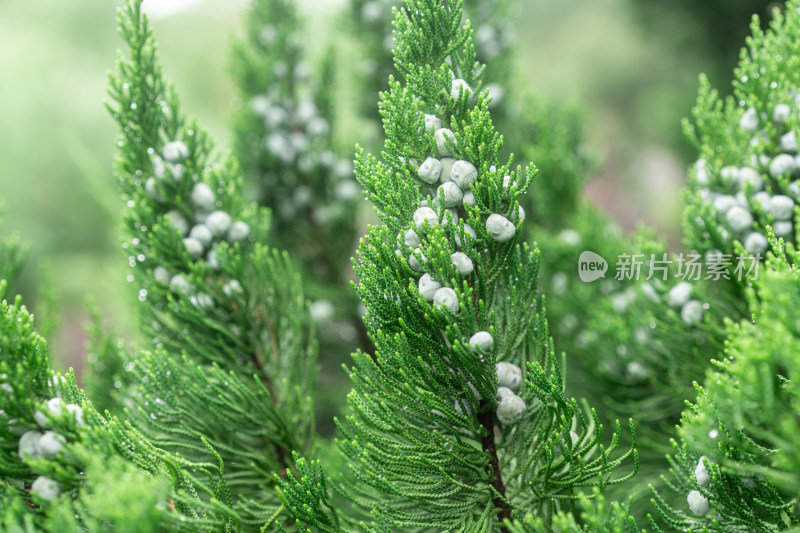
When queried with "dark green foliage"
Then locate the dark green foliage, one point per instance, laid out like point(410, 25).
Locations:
point(597, 516)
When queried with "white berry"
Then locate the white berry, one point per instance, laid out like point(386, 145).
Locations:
point(763, 199)
point(202, 301)
point(178, 221)
point(781, 113)
point(701, 473)
point(158, 167)
point(739, 218)
point(781, 207)
point(462, 263)
point(213, 262)
point(749, 176)
point(500, 228)
point(701, 173)
point(321, 311)
point(756, 243)
point(238, 231)
point(679, 294)
point(161, 274)
point(430, 170)
point(469, 231)
point(432, 122)
point(218, 222)
point(469, 199)
point(428, 287)
point(457, 86)
point(203, 197)
point(723, 203)
point(481, 341)
point(29, 445)
point(449, 216)
point(414, 263)
point(463, 173)
point(179, 284)
point(447, 169)
point(451, 192)
point(692, 312)
point(444, 136)
point(783, 229)
point(233, 288)
point(51, 444)
point(201, 233)
point(782, 164)
point(749, 121)
point(446, 297)
point(411, 238)
point(151, 190)
point(76, 411)
point(794, 189)
point(45, 488)
point(175, 151)
point(501, 393)
point(789, 142)
point(508, 375)
point(698, 503)
point(425, 215)
point(511, 409)
point(193, 247)
point(55, 406)
point(729, 174)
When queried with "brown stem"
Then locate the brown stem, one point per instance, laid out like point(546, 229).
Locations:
point(493, 468)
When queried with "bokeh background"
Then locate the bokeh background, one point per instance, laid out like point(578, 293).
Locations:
point(631, 64)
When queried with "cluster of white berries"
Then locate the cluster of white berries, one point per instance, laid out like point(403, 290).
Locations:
point(454, 179)
point(679, 297)
point(698, 503)
point(297, 136)
point(742, 199)
point(35, 444)
point(511, 408)
point(201, 231)
point(170, 165)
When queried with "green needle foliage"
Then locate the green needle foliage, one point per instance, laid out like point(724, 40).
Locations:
point(745, 177)
point(738, 454)
point(233, 363)
point(427, 445)
point(65, 467)
point(743, 190)
point(371, 22)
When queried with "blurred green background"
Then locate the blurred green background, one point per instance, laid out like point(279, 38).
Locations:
point(633, 64)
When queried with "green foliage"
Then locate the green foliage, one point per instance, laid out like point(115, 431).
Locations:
point(62, 486)
point(286, 139)
point(423, 444)
point(233, 367)
point(597, 516)
point(745, 144)
point(13, 253)
point(743, 421)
